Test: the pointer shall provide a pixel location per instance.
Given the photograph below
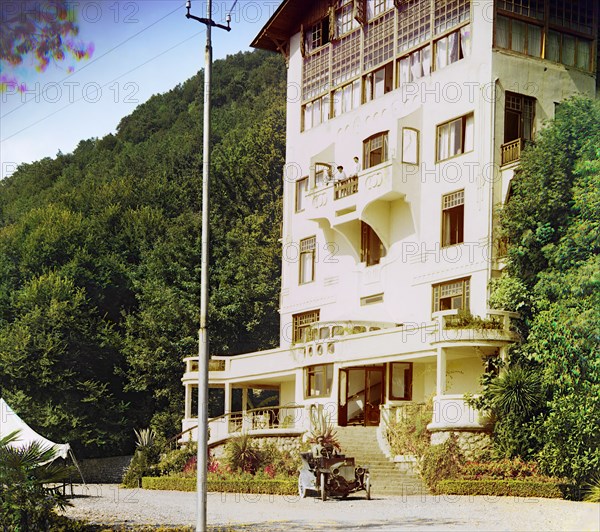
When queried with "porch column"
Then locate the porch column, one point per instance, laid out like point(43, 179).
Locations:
point(441, 372)
point(227, 405)
point(244, 399)
point(188, 402)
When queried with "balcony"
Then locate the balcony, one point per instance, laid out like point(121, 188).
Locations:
point(346, 201)
point(511, 151)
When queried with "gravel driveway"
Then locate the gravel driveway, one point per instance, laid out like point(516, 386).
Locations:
point(112, 505)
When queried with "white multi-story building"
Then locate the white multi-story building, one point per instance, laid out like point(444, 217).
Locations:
point(426, 104)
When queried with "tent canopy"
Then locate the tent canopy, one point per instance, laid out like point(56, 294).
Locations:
point(10, 422)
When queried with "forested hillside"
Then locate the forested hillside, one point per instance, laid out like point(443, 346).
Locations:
point(100, 258)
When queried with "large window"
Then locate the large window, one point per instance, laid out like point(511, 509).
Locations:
point(401, 381)
point(301, 191)
point(453, 218)
point(455, 137)
point(563, 32)
point(319, 380)
point(410, 145)
point(379, 41)
point(415, 65)
point(307, 260)
point(451, 295)
point(375, 150)
point(453, 47)
point(519, 114)
point(371, 247)
point(301, 325)
point(379, 82)
point(346, 98)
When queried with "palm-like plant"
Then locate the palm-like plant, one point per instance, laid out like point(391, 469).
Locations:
point(242, 454)
point(518, 391)
point(27, 497)
point(322, 430)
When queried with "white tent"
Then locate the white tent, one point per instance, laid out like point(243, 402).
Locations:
point(10, 422)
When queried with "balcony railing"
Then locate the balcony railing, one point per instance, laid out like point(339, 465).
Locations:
point(344, 188)
point(511, 151)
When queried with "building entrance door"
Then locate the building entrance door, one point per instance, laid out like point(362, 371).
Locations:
point(361, 394)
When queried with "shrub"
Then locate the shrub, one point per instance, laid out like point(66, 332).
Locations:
point(145, 459)
point(27, 502)
point(505, 469)
point(441, 462)
point(592, 491)
point(242, 454)
point(322, 430)
point(409, 434)
point(280, 461)
point(468, 321)
point(232, 484)
point(514, 488)
point(173, 462)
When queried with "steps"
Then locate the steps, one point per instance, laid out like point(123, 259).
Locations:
point(386, 477)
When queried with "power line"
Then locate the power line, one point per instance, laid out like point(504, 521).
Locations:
point(103, 86)
point(86, 65)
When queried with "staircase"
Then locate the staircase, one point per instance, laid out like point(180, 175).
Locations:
point(386, 477)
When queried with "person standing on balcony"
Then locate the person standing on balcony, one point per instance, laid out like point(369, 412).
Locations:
point(340, 175)
point(356, 167)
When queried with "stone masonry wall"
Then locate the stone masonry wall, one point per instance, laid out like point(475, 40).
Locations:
point(104, 470)
point(474, 445)
point(284, 443)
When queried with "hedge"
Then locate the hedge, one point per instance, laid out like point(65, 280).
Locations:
point(269, 487)
point(514, 488)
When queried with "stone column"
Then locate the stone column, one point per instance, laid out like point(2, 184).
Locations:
point(441, 372)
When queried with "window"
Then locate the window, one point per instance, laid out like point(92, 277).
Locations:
point(346, 98)
point(344, 18)
point(371, 300)
point(301, 191)
point(379, 41)
point(375, 150)
point(401, 381)
point(307, 260)
point(377, 7)
point(319, 380)
point(455, 137)
point(450, 13)
point(519, 114)
point(569, 50)
point(414, 66)
point(414, 24)
point(371, 247)
point(453, 218)
point(519, 36)
point(345, 60)
point(322, 174)
point(318, 34)
point(527, 8)
point(453, 47)
point(451, 295)
point(301, 324)
point(410, 146)
point(378, 83)
point(315, 74)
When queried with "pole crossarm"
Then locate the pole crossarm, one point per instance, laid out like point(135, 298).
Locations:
point(207, 21)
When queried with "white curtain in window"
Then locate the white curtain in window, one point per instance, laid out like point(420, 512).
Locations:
point(441, 53)
point(307, 116)
point(416, 67)
point(347, 105)
point(455, 137)
point(379, 85)
point(355, 93)
point(553, 46)
point(404, 71)
point(534, 40)
point(583, 54)
point(469, 133)
point(465, 40)
point(325, 108)
point(337, 102)
point(502, 32)
point(316, 112)
point(568, 50)
point(453, 50)
point(518, 35)
point(443, 134)
point(426, 55)
point(306, 273)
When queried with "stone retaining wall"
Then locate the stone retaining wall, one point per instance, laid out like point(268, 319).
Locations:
point(284, 443)
point(104, 470)
point(474, 445)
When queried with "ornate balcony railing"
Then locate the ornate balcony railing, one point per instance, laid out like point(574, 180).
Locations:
point(344, 188)
point(511, 151)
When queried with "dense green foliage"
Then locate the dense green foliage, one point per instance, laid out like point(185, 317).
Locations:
point(548, 404)
point(100, 257)
point(504, 488)
point(244, 484)
point(27, 502)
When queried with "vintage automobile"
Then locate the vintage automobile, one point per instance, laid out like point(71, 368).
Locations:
point(330, 474)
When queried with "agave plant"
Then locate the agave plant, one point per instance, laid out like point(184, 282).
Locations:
point(518, 391)
point(242, 454)
point(145, 438)
point(322, 429)
point(27, 497)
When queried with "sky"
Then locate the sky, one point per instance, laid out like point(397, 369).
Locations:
point(140, 48)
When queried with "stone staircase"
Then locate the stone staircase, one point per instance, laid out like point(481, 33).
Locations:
point(387, 478)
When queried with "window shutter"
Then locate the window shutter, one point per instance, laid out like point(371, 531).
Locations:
point(359, 11)
point(302, 41)
point(332, 32)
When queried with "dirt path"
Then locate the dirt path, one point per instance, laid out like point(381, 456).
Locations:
point(111, 505)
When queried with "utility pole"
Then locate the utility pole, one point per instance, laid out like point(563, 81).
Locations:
point(203, 355)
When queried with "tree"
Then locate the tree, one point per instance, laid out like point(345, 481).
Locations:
point(553, 221)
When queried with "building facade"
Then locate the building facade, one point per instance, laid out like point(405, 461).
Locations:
point(387, 261)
